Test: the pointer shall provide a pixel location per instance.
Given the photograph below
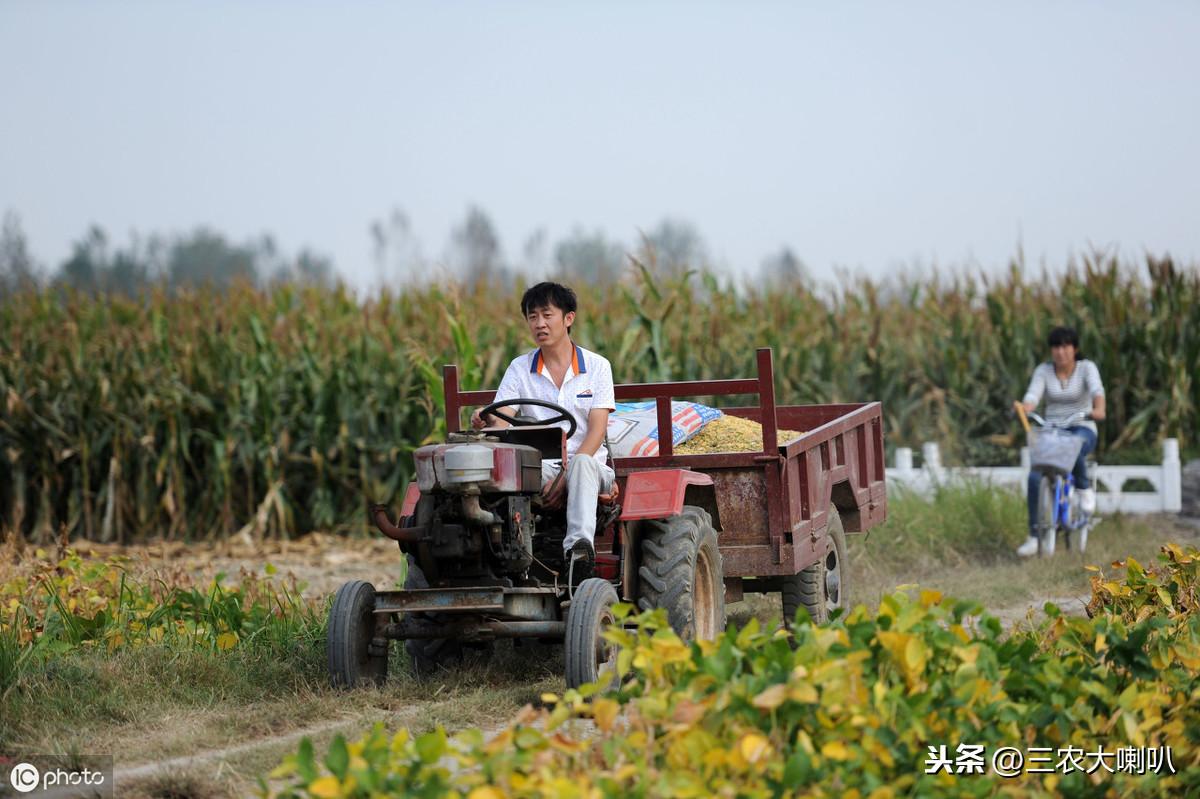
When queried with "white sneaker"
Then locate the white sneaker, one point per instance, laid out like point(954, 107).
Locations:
point(1087, 500)
point(1029, 548)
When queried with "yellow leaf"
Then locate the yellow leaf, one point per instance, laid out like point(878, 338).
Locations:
point(486, 792)
point(605, 711)
point(325, 787)
point(624, 662)
point(754, 747)
point(284, 769)
point(803, 692)
point(226, 641)
point(930, 598)
point(771, 698)
point(916, 655)
point(835, 750)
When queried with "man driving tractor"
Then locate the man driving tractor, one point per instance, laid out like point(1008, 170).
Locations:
point(559, 371)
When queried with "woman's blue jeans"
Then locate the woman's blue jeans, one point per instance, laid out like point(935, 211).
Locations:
point(1079, 473)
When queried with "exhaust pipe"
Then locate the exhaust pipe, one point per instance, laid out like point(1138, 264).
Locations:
point(472, 510)
point(405, 535)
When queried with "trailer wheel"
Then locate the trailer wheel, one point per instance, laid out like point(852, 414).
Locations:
point(429, 656)
point(681, 572)
point(822, 587)
point(589, 657)
point(355, 658)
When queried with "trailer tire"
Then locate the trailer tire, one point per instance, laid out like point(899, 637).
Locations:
point(429, 656)
point(354, 658)
point(822, 587)
point(590, 658)
point(681, 572)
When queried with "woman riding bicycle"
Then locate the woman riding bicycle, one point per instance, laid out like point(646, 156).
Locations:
point(1070, 385)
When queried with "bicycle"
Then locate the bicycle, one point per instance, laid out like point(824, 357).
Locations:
point(1053, 452)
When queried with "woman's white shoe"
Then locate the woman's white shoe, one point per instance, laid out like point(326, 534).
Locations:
point(1087, 500)
point(1029, 548)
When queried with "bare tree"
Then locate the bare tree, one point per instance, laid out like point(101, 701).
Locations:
point(396, 249)
point(476, 247)
point(784, 268)
point(590, 257)
point(534, 259)
point(86, 267)
point(673, 247)
point(18, 270)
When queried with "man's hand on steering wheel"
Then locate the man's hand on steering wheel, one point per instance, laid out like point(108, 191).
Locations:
point(493, 410)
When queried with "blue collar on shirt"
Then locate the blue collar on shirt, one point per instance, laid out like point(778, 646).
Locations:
point(577, 363)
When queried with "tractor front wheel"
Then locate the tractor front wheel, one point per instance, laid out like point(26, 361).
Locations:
point(589, 657)
point(355, 656)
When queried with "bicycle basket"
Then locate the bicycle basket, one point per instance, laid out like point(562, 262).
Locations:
point(1054, 450)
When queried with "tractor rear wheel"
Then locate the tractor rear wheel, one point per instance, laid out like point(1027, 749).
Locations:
point(589, 657)
point(429, 656)
point(822, 587)
point(681, 572)
point(354, 656)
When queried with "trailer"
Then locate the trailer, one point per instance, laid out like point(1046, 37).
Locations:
point(686, 533)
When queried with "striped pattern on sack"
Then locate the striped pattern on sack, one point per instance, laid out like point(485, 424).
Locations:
point(687, 419)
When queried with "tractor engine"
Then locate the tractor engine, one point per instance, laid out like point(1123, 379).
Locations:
point(476, 505)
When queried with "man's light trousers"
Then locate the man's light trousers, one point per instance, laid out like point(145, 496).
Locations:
point(586, 477)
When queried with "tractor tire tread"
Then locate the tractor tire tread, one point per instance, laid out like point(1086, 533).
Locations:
point(807, 588)
point(669, 551)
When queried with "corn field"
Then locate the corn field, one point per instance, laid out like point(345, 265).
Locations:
point(270, 413)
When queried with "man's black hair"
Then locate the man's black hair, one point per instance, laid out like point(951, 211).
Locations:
point(546, 294)
point(1065, 335)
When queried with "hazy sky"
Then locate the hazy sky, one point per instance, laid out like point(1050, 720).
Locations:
point(865, 135)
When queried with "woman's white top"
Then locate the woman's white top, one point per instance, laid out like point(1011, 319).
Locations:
point(1065, 398)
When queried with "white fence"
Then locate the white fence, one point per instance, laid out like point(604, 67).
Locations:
point(1111, 494)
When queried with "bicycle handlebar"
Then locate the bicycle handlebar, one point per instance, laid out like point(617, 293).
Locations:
point(1078, 416)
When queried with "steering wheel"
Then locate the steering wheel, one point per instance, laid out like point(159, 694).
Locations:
point(563, 414)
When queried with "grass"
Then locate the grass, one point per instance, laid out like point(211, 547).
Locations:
point(72, 699)
point(159, 701)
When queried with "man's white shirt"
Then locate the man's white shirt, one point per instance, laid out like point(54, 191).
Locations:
point(588, 384)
